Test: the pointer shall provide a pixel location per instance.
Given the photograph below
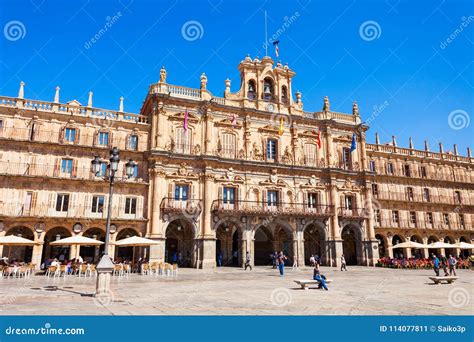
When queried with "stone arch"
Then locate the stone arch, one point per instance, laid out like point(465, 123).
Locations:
point(58, 252)
point(449, 251)
point(263, 245)
point(126, 253)
point(19, 253)
point(315, 236)
point(382, 244)
point(464, 253)
point(352, 249)
point(398, 252)
point(229, 236)
point(92, 254)
point(181, 245)
point(416, 252)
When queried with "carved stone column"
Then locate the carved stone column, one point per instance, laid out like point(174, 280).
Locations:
point(208, 240)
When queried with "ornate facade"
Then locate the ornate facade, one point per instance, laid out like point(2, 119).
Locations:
point(219, 176)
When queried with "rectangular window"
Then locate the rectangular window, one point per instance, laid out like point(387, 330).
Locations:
point(395, 216)
point(66, 165)
point(135, 172)
point(390, 168)
point(130, 205)
point(310, 154)
point(457, 197)
point(446, 219)
point(375, 190)
point(423, 171)
point(228, 145)
point(349, 202)
point(271, 150)
point(406, 170)
point(229, 195)
point(133, 142)
point(313, 200)
point(103, 169)
point(62, 202)
point(181, 192)
point(372, 166)
point(413, 217)
point(70, 135)
point(429, 218)
point(183, 141)
point(461, 221)
point(410, 196)
point(28, 201)
point(97, 204)
point(377, 216)
point(272, 198)
point(103, 138)
point(346, 158)
point(426, 195)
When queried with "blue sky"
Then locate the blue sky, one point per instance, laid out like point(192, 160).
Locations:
point(391, 56)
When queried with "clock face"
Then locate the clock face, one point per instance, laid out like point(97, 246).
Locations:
point(77, 228)
point(270, 107)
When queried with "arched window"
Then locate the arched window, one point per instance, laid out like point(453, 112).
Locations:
point(228, 145)
point(284, 94)
point(268, 90)
point(183, 141)
point(310, 154)
point(251, 90)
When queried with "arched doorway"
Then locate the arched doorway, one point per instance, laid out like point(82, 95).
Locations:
point(263, 245)
point(92, 254)
point(284, 243)
point(351, 245)
point(398, 253)
point(464, 253)
point(56, 252)
point(315, 243)
point(449, 251)
point(19, 253)
point(180, 246)
point(433, 239)
point(126, 253)
point(381, 244)
point(228, 245)
point(416, 253)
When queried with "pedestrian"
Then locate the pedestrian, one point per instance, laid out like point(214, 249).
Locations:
point(312, 261)
point(444, 265)
point(343, 263)
point(317, 259)
point(219, 259)
point(235, 258)
point(275, 259)
point(319, 278)
point(435, 261)
point(281, 263)
point(452, 265)
point(295, 262)
point(247, 261)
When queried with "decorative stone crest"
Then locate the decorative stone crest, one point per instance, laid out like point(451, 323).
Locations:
point(287, 156)
point(274, 176)
point(230, 174)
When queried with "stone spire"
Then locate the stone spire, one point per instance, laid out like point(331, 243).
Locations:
point(121, 104)
point(394, 141)
point(227, 86)
point(455, 148)
point(410, 143)
point(441, 149)
point(469, 152)
point(89, 102)
point(326, 105)
point(427, 147)
point(56, 95)
point(203, 81)
point(21, 91)
point(355, 109)
point(298, 97)
point(377, 138)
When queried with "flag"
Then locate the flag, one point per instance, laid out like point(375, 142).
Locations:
point(233, 120)
point(185, 123)
point(280, 129)
point(275, 44)
point(353, 143)
point(318, 141)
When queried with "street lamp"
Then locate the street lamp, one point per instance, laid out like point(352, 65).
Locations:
point(105, 265)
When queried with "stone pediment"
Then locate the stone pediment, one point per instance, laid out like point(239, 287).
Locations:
point(313, 183)
point(228, 124)
point(273, 180)
point(192, 118)
point(348, 185)
point(308, 134)
point(230, 176)
point(183, 172)
point(269, 128)
point(74, 103)
point(343, 137)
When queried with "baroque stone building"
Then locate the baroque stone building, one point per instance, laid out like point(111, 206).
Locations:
point(219, 176)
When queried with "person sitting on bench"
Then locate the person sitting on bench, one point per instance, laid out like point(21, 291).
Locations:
point(319, 278)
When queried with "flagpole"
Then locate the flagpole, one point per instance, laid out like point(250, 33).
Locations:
point(266, 35)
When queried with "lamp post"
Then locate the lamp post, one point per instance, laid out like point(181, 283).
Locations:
point(105, 265)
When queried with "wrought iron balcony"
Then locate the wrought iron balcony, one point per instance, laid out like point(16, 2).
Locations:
point(245, 207)
point(192, 207)
point(357, 213)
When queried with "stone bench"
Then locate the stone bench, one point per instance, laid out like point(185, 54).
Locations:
point(306, 282)
point(439, 280)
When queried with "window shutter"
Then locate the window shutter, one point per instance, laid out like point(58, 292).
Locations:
point(96, 138)
point(34, 198)
point(74, 168)
point(170, 191)
point(62, 132)
point(57, 167)
point(111, 140)
point(127, 142)
point(77, 139)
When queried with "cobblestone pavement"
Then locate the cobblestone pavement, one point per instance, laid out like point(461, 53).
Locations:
point(233, 291)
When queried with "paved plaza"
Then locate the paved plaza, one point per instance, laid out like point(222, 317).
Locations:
point(233, 291)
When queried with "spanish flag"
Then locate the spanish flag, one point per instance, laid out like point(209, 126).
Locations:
point(280, 129)
point(318, 141)
point(185, 123)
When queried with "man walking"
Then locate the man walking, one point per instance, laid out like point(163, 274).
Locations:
point(281, 263)
point(343, 263)
point(435, 261)
point(247, 261)
point(452, 265)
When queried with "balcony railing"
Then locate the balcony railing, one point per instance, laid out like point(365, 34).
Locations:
point(72, 211)
point(51, 171)
point(420, 198)
point(421, 224)
point(192, 207)
point(277, 208)
point(353, 212)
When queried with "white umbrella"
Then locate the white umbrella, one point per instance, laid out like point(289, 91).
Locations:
point(464, 245)
point(77, 240)
point(409, 244)
point(12, 240)
point(439, 244)
point(135, 241)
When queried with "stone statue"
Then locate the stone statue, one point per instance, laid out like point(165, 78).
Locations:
point(163, 75)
